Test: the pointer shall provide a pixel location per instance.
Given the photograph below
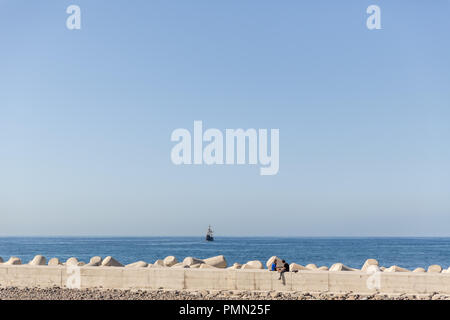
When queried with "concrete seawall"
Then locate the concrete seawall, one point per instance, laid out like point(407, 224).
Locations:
point(199, 279)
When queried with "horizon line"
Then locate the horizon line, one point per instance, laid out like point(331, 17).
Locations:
point(221, 236)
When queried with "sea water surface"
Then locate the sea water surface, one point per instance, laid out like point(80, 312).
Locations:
point(405, 252)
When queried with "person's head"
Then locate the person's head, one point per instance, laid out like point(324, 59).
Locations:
point(283, 261)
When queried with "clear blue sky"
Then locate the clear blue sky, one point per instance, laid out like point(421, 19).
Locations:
point(86, 117)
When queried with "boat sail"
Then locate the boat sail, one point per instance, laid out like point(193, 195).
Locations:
point(209, 234)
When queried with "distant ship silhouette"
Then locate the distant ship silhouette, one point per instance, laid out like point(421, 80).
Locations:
point(209, 234)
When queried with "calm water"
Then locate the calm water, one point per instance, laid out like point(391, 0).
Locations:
point(405, 252)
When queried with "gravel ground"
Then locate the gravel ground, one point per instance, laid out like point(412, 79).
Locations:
point(13, 293)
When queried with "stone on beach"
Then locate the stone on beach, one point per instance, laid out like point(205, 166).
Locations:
point(95, 261)
point(368, 263)
point(72, 261)
point(170, 261)
point(341, 267)
point(217, 261)
point(189, 261)
point(419, 270)
point(311, 266)
point(1, 260)
point(254, 264)
point(38, 261)
point(235, 266)
point(396, 269)
point(297, 267)
point(111, 262)
point(13, 261)
point(54, 262)
point(194, 266)
point(206, 266)
point(373, 268)
point(137, 264)
point(179, 265)
point(158, 264)
point(435, 268)
point(323, 268)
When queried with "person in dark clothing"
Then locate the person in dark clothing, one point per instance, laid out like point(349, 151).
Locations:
point(283, 269)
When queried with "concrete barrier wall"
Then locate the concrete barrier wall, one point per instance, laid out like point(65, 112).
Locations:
point(198, 279)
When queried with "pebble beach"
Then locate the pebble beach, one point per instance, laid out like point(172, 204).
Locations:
point(14, 293)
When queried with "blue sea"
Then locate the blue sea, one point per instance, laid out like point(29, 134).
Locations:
point(404, 252)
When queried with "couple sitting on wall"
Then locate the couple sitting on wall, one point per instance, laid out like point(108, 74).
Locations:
point(281, 270)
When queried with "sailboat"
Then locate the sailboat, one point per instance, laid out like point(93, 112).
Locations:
point(209, 234)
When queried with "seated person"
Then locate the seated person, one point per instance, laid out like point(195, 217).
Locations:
point(283, 269)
